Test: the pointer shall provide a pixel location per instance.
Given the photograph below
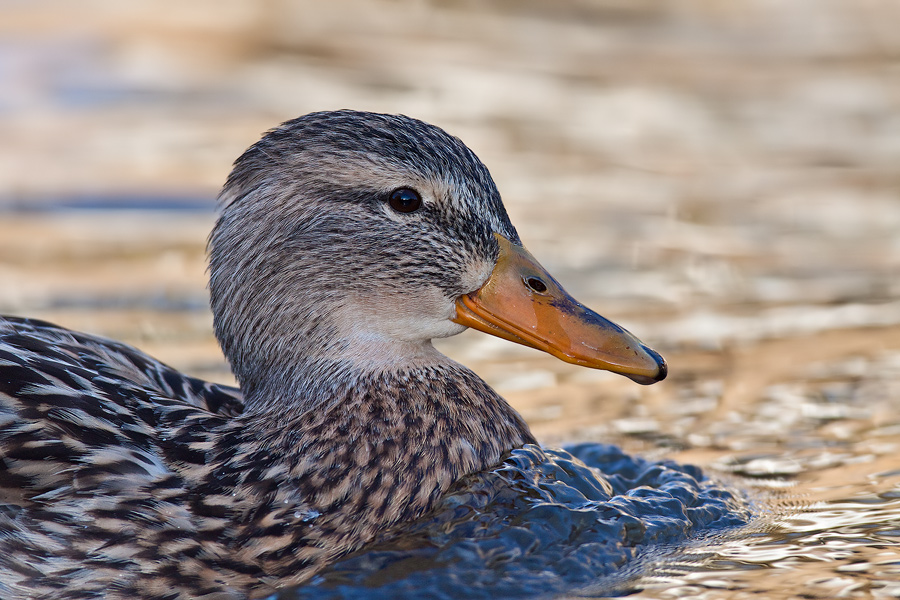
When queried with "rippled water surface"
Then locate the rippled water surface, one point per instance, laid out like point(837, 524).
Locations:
point(721, 178)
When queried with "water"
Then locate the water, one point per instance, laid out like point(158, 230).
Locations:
point(846, 548)
point(796, 437)
point(720, 179)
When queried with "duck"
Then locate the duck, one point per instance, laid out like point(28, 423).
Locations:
point(345, 242)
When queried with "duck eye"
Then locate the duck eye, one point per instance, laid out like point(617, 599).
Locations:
point(405, 200)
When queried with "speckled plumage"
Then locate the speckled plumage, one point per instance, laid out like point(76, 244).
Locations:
point(121, 478)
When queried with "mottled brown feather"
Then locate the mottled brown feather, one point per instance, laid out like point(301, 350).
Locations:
point(121, 478)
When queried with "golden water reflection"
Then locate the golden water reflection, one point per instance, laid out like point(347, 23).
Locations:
point(720, 178)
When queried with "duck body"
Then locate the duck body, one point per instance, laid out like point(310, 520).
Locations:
point(122, 478)
point(134, 480)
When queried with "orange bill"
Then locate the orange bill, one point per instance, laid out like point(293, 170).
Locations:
point(522, 303)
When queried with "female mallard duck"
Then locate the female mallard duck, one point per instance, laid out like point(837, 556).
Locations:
point(347, 241)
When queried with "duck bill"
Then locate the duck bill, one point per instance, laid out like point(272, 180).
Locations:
point(522, 303)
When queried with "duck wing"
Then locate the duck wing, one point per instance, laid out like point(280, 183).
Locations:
point(91, 480)
point(79, 412)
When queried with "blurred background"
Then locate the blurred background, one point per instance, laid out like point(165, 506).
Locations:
point(720, 176)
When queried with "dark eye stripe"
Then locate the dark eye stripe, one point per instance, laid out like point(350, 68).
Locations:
point(405, 200)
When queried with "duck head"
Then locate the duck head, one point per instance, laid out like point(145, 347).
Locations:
point(354, 239)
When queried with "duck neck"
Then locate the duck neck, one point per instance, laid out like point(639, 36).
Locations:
point(294, 382)
point(353, 450)
point(427, 416)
